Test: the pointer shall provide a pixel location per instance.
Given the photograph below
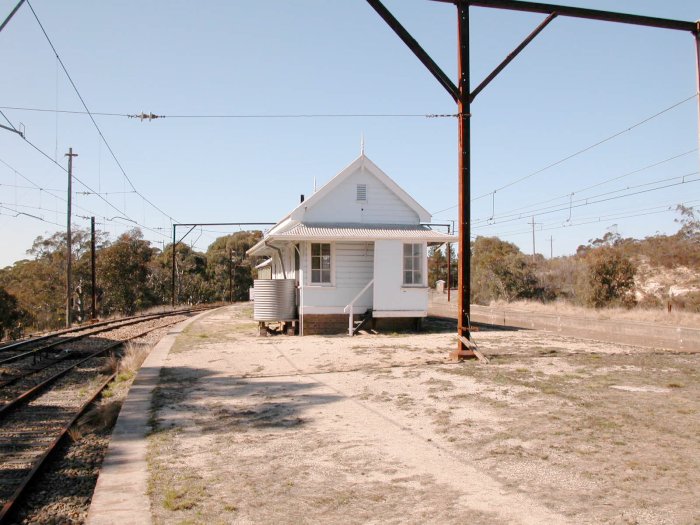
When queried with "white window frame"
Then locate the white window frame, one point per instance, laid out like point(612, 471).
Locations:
point(421, 261)
point(309, 273)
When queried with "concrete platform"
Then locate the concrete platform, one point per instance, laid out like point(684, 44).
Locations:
point(121, 493)
point(386, 429)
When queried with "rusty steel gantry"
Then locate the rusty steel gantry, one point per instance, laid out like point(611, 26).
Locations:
point(463, 97)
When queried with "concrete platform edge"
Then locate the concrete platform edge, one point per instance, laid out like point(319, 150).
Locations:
point(121, 493)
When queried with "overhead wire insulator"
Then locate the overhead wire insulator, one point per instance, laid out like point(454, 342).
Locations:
point(146, 116)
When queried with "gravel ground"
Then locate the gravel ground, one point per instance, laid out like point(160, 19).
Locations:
point(62, 493)
point(383, 429)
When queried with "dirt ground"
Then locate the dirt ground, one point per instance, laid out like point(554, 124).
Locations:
point(384, 429)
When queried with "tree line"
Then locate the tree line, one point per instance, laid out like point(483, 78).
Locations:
point(600, 274)
point(132, 275)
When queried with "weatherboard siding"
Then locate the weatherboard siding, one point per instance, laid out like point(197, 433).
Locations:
point(341, 205)
point(392, 295)
point(353, 268)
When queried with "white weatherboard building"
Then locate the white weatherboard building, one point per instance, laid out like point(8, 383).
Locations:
point(357, 247)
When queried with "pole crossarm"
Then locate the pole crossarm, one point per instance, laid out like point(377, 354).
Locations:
point(414, 46)
point(581, 12)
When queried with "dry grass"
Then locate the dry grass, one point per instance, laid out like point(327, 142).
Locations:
point(675, 318)
point(132, 359)
point(110, 366)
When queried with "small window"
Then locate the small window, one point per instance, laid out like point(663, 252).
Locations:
point(362, 192)
point(412, 264)
point(321, 263)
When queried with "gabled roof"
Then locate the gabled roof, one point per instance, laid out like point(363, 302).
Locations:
point(291, 226)
point(361, 162)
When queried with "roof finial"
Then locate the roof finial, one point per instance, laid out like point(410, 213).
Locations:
point(362, 144)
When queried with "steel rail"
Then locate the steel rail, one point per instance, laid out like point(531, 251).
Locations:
point(28, 394)
point(36, 465)
point(30, 340)
point(39, 462)
point(104, 327)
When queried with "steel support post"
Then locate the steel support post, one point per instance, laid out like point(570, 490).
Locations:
point(464, 249)
point(697, 72)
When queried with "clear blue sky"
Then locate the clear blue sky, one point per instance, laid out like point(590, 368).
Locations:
point(578, 83)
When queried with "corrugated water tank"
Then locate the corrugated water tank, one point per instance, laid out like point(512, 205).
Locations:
point(275, 300)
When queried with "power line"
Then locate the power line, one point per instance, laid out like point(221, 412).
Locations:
point(151, 116)
point(588, 201)
point(46, 155)
point(48, 191)
point(579, 152)
point(18, 213)
point(588, 148)
point(562, 207)
point(600, 218)
point(93, 192)
point(92, 118)
point(526, 209)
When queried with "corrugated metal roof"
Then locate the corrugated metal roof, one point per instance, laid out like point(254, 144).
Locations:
point(341, 231)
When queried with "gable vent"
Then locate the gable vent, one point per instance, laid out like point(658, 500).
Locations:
point(362, 192)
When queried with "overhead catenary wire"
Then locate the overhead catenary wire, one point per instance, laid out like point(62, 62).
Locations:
point(92, 118)
point(588, 201)
point(152, 116)
point(666, 208)
point(87, 187)
point(17, 213)
point(578, 152)
point(48, 191)
point(527, 208)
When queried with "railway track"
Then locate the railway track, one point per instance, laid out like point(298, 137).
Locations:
point(47, 385)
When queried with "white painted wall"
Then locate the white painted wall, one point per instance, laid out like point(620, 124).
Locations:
point(353, 267)
point(354, 264)
point(392, 298)
point(381, 207)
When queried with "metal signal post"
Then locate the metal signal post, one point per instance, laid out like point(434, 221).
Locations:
point(69, 243)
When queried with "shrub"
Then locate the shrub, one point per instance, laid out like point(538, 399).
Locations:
point(12, 316)
point(609, 278)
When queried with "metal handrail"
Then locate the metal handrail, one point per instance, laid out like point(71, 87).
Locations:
point(351, 306)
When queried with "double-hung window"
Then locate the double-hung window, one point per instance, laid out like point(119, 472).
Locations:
point(320, 263)
point(413, 264)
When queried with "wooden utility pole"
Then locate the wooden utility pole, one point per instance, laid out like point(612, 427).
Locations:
point(551, 247)
point(93, 300)
point(533, 235)
point(172, 287)
point(230, 275)
point(69, 243)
